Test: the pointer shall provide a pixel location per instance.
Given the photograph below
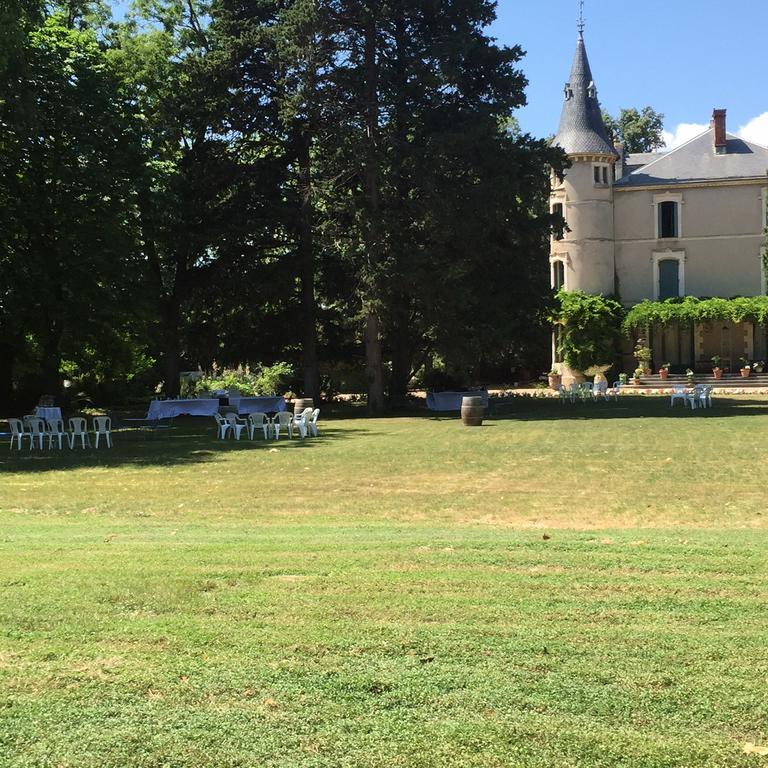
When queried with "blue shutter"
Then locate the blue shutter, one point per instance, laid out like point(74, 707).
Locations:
point(669, 279)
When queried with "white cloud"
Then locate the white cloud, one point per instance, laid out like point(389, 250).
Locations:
point(756, 130)
point(684, 132)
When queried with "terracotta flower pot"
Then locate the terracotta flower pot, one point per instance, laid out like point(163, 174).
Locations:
point(663, 373)
point(555, 380)
point(717, 373)
point(745, 372)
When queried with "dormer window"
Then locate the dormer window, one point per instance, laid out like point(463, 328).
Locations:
point(568, 91)
point(592, 90)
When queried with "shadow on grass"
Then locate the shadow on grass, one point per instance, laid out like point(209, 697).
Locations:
point(184, 444)
point(628, 407)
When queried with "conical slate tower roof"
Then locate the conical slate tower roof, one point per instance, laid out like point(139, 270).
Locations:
point(581, 125)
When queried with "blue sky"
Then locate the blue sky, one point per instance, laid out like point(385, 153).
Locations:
point(682, 57)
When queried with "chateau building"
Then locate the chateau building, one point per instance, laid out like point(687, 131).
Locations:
point(684, 222)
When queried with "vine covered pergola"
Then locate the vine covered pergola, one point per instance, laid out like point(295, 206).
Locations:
point(689, 310)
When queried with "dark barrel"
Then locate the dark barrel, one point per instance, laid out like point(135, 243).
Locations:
point(301, 403)
point(472, 411)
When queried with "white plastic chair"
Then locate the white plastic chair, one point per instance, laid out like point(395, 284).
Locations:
point(56, 432)
point(600, 390)
point(222, 424)
point(36, 431)
point(563, 394)
point(17, 432)
point(283, 419)
point(102, 427)
point(312, 423)
point(706, 396)
point(258, 421)
point(236, 424)
point(679, 393)
point(614, 391)
point(301, 424)
point(78, 427)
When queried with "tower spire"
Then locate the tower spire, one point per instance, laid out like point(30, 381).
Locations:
point(580, 23)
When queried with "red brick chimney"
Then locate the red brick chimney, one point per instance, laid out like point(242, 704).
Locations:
point(718, 131)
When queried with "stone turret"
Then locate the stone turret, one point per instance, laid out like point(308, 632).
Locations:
point(585, 191)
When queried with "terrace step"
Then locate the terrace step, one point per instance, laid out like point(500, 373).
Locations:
point(728, 381)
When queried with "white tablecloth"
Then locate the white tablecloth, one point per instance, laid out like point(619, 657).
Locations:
point(260, 404)
point(48, 412)
point(451, 401)
point(168, 409)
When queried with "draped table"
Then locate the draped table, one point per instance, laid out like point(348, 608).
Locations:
point(47, 412)
point(169, 409)
point(247, 405)
point(451, 401)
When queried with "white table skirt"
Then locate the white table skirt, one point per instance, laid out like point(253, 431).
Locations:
point(168, 409)
point(451, 401)
point(260, 404)
point(48, 412)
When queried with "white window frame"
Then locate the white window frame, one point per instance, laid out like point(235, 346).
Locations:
point(558, 201)
point(562, 258)
point(668, 197)
point(678, 256)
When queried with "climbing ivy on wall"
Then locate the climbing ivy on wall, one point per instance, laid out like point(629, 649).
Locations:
point(689, 310)
point(590, 328)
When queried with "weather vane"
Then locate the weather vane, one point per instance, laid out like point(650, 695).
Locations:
point(581, 16)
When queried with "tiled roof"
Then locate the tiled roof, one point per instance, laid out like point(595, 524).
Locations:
point(696, 160)
point(581, 124)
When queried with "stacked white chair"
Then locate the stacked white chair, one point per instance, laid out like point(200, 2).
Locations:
point(313, 422)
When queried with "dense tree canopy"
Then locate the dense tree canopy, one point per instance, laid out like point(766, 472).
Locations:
point(640, 130)
point(330, 183)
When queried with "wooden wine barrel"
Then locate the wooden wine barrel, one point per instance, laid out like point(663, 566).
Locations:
point(472, 411)
point(300, 403)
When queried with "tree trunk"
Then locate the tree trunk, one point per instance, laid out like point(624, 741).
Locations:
point(373, 346)
point(374, 369)
point(402, 356)
point(307, 262)
point(171, 345)
point(7, 359)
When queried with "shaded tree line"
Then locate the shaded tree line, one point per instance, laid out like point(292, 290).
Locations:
point(330, 182)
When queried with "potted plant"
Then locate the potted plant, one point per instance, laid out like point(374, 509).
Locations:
point(623, 378)
point(717, 371)
point(746, 368)
point(636, 376)
point(555, 379)
point(643, 356)
point(689, 375)
point(664, 371)
point(758, 366)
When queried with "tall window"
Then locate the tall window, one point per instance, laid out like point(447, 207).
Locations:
point(668, 219)
point(669, 278)
point(558, 275)
point(557, 210)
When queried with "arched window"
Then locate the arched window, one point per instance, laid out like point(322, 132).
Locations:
point(669, 278)
point(668, 219)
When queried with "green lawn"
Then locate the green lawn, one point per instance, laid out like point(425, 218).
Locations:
point(567, 586)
